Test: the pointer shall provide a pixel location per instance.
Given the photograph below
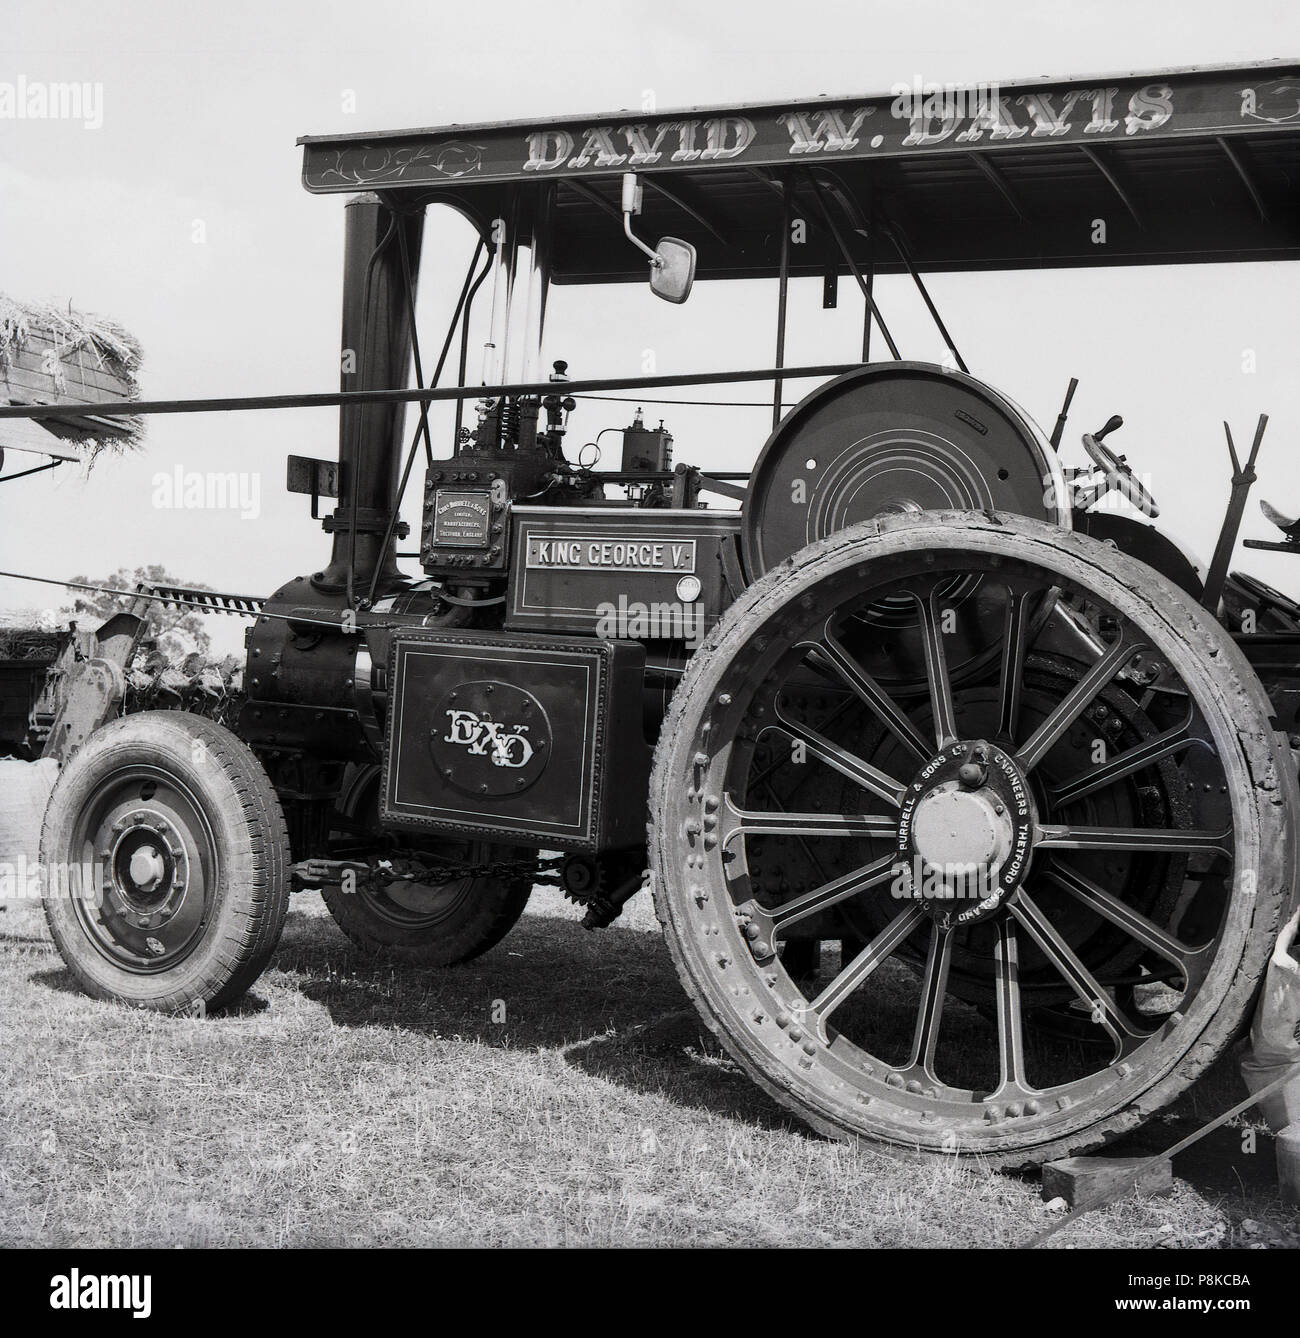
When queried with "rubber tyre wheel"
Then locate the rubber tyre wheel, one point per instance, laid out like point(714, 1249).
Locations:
point(706, 945)
point(245, 904)
point(485, 911)
point(482, 913)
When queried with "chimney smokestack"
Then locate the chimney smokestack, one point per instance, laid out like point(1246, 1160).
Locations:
point(377, 346)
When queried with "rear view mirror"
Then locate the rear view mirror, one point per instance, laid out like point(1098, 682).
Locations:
point(672, 263)
point(672, 272)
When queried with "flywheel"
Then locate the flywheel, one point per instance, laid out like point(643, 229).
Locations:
point(889, 438)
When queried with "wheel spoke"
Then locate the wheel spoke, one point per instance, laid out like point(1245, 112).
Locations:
point(1015, 646)
point(929, 1012)
point(1156, 839)
point(1012, 1076)
point(749, 822)
point(936, 667)
point(770, 790)
point(832, 650)
point(1144, 754)
point(1191, 961)
point(839, 889)
point(764, 775)
point(880, 949)
point(846, 763)
point(1080, 979)
point(1073, 704)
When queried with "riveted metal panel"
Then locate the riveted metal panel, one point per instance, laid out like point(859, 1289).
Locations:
point(617, 572)
point(516, 739)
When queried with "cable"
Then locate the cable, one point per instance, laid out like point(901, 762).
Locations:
point(328, 399)
point(171, 600)
point(39, 469)
point(718, 404)
point(422, 428)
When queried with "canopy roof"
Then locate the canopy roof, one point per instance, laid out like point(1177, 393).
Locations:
point(1168, 166)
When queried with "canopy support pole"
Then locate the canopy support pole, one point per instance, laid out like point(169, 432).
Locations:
point(906, 258)
point(853, 266)
point(783, 293)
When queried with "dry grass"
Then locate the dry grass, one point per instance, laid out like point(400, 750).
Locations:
point(346, 1103)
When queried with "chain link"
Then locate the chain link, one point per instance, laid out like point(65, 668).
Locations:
point(314, 872)
point(453, 870)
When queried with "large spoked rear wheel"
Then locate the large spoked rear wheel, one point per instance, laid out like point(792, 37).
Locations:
point(1031, 789)
point(166, 860)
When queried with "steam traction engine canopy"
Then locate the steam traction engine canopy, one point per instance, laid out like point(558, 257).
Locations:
point(1182, 165)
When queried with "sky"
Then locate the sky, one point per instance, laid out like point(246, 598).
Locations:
point(182, 216)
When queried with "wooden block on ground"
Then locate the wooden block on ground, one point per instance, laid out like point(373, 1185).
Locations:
point(1077, 1178)
point(1288, 1165)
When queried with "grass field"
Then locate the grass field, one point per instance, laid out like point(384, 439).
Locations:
point(349, 1103)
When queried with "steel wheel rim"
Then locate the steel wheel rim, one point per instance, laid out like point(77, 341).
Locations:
point(1010, 1098)
point(149, 869)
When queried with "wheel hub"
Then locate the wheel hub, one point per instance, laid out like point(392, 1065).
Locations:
point(965, 834)
point(146, 868)
point(152, 888)
point(957, 828)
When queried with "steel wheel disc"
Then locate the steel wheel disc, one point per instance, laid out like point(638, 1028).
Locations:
point(155, 865)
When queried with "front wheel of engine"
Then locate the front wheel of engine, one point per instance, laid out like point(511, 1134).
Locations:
point(166, 857)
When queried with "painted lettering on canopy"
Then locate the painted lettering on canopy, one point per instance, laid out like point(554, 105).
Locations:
point(639, 145)
point(913, 118)
point(931, 118)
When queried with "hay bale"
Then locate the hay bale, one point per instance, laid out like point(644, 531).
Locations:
point(30, 643)
point(51, 354)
